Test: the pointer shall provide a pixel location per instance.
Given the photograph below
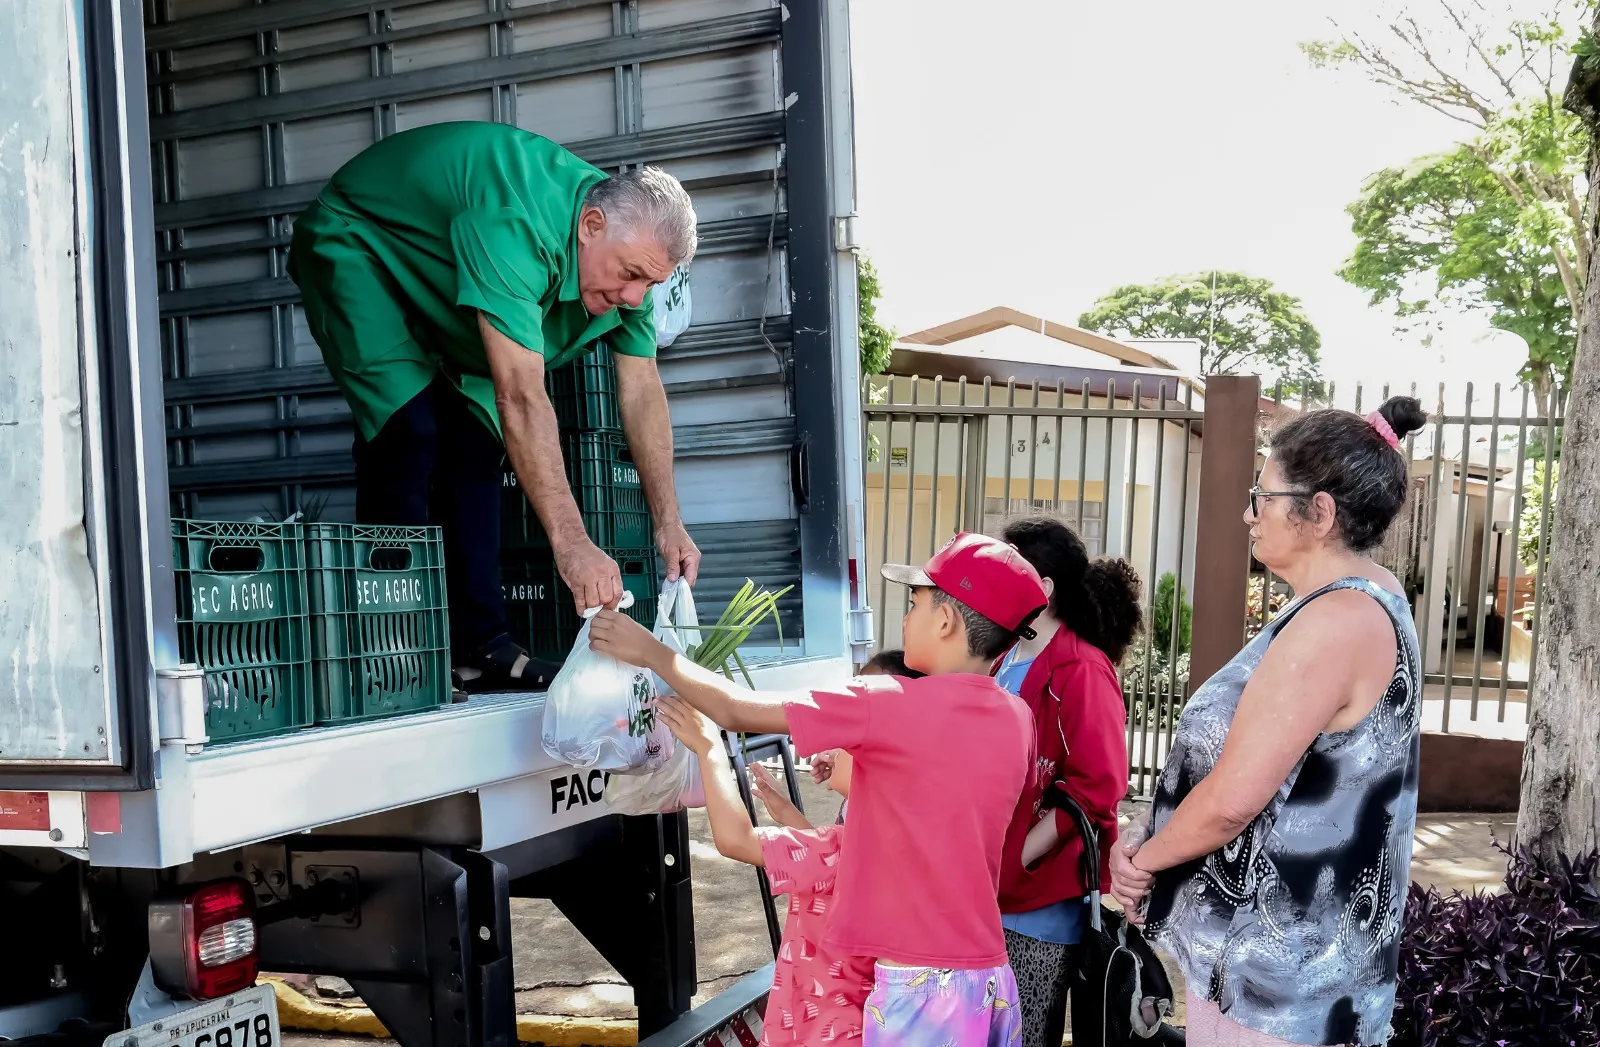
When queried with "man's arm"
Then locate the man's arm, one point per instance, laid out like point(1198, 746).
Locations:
point(732, 707)
point(533, 444)
point(648, 426)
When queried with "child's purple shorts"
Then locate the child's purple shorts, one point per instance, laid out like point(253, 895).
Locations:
point(929, 1007)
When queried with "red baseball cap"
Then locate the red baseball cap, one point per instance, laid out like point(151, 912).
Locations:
point(984, 573)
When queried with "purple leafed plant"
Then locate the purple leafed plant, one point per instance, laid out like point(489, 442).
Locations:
point(1517, 969)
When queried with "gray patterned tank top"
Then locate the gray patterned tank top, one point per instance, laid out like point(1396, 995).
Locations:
point(1293, 929)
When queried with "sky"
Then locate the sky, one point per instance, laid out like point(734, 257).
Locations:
point(1042, 152)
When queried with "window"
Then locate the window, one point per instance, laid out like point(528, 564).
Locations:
point(998, 511)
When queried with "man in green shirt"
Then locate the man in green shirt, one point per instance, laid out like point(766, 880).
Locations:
point(442, 271)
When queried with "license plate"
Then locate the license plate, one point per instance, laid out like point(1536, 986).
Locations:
point(248, 1018)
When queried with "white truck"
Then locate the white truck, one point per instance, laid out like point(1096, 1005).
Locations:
point(154, 363)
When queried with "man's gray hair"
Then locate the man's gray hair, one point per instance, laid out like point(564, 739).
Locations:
point(648, 200)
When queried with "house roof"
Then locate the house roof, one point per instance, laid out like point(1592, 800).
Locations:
point(1003, 344)
point(1002, 317)
point(953, 364)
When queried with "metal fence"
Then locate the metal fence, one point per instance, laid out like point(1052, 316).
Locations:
point(1467, 546)
point(1118, 461)
point(1121, 461)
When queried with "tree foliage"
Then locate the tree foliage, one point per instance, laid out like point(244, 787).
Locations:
point(1246, 327)
point(1445, 234)
point(877, 341)
point(1497, 224)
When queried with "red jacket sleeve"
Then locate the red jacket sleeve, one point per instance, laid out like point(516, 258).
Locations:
point(1093, 723)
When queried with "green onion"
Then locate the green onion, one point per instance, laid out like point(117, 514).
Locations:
point(719, 643)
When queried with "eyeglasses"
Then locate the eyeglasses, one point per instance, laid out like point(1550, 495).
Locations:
point(1256, 493)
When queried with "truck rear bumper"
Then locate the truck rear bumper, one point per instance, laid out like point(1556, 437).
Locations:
point(729, 1019)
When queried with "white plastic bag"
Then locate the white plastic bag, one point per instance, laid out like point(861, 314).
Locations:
point(600, 713)
point(672, 306)
point(677, 784)
point(677, 622)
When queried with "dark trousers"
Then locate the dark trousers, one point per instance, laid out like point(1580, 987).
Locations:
point(435, 462)
point(1044, 974)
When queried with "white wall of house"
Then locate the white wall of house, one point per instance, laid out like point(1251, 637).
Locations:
point(1454, 549)
point(1158, 529)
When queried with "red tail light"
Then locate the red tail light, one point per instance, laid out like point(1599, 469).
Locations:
point(204, 944)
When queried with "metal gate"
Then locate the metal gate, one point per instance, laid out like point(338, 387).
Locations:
point(1117, 461)
point(1121, 464)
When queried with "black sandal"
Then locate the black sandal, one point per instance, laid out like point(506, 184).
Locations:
point(504, 667)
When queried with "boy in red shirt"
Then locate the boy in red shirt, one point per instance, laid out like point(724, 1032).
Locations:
point(818, 994)
point(938, 765)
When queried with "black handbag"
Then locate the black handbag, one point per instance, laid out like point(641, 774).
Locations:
point(1120, 992)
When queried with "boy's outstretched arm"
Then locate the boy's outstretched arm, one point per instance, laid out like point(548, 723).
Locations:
point(731, 706)
point(731, 830)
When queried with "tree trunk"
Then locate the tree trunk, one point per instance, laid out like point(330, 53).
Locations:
point(1561, 764)
point(1543, 379)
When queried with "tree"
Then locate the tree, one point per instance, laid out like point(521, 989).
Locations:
point(877, 341)
point(1560, 809)
point(1446, 233)
point(1497, 224)
point(1247, 326)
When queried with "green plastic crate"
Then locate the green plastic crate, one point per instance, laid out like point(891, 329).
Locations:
point(539, 611)
point(584, 392)
point(380, 630)
point(242, 617)
point(605, 484)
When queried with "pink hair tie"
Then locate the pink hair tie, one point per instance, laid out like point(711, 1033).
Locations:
point(1385, 430)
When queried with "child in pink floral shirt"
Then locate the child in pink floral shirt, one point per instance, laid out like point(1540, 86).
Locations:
point(817, 997)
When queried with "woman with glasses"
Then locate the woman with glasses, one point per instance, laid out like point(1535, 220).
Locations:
point(1276, 857)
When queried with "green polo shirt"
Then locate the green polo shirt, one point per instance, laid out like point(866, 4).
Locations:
point(424, 229)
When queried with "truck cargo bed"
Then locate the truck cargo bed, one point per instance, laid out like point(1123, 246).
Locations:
point(472, 774)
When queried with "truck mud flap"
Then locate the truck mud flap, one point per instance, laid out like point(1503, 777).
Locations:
point(732, 1018)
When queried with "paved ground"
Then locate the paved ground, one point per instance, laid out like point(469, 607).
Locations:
point(559, 973)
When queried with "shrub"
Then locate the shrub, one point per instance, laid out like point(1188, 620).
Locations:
point(1253, 620)
point(1154, 699)
point(1518, 968)
point(1528, 525)
point(1168, 592)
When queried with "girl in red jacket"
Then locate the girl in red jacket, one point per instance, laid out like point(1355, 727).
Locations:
point(1067, 674)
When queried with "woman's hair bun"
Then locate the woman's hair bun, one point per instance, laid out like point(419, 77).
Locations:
point(1404, 414)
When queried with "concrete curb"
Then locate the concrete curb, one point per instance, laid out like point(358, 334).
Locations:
point(299, 1012)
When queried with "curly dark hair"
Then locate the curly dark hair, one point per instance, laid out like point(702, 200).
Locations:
point(1097, 599)
point(1343, 455)
point(892, 663)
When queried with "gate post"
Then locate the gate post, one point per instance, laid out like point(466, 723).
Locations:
point(1222, 542)
point(975, 473)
